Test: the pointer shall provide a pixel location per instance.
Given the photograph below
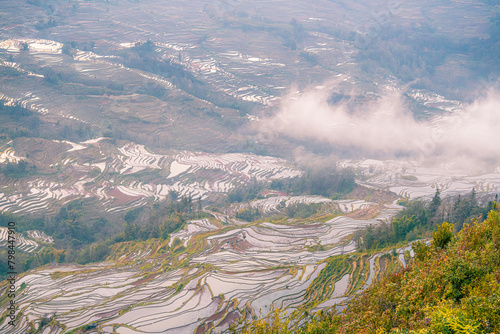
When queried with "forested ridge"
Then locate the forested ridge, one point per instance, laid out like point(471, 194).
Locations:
point(419, 218)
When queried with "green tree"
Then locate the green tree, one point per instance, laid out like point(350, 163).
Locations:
point(434, 204)
point(443, 236)
point(404, 225)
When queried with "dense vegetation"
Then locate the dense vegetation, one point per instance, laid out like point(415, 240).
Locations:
point(451, 286)
point(246, 193)
point(419, 218)
point(329, 182)
point(295, 210)
point(248, 214)
point(301, 210)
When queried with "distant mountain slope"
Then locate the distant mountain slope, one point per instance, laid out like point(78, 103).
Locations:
point(120, 174)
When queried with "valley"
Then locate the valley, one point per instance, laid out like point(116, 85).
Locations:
point(183, 167)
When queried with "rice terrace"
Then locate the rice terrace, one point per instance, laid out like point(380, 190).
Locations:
point(249, 166)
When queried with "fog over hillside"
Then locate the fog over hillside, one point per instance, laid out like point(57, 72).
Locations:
point(385, 128)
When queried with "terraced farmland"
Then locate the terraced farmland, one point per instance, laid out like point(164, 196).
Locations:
point(28, 245)
point(118, 105)
point(8, 155)
point(220, 273)
point(98, 169)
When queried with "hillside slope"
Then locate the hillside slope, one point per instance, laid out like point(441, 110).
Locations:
point(453, 286)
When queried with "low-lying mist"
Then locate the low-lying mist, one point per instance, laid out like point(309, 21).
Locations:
point(386, 128)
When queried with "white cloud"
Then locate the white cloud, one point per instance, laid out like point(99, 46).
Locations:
point(384, 128)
